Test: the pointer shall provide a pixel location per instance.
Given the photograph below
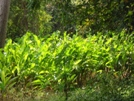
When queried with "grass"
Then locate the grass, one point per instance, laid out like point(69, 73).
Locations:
point(123, 92)
point(107, 90)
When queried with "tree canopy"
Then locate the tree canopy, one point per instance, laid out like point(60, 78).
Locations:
point(82, 16)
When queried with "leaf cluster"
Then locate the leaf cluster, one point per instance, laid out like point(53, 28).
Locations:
point(64, 63)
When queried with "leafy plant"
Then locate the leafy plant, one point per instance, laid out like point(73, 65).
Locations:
point(64, 63)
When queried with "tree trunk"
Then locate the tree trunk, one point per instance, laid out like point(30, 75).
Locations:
point(4, 9)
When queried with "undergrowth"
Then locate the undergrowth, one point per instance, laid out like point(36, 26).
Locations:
point(96, 68)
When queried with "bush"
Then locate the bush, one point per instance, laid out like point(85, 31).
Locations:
point(65, 63)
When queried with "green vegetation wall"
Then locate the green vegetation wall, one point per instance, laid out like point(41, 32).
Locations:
point(93, 15)
point(28, 15)
point(82, 16)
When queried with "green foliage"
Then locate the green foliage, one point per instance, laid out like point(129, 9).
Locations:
point(6, 80)
point(28, 15)
point(63, 63)
point(42, 17)
point(91, 15)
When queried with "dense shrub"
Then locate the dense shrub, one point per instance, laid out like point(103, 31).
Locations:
point(65, 63)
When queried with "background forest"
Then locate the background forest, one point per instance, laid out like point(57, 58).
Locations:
point(68, 50)
point(83, 16)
